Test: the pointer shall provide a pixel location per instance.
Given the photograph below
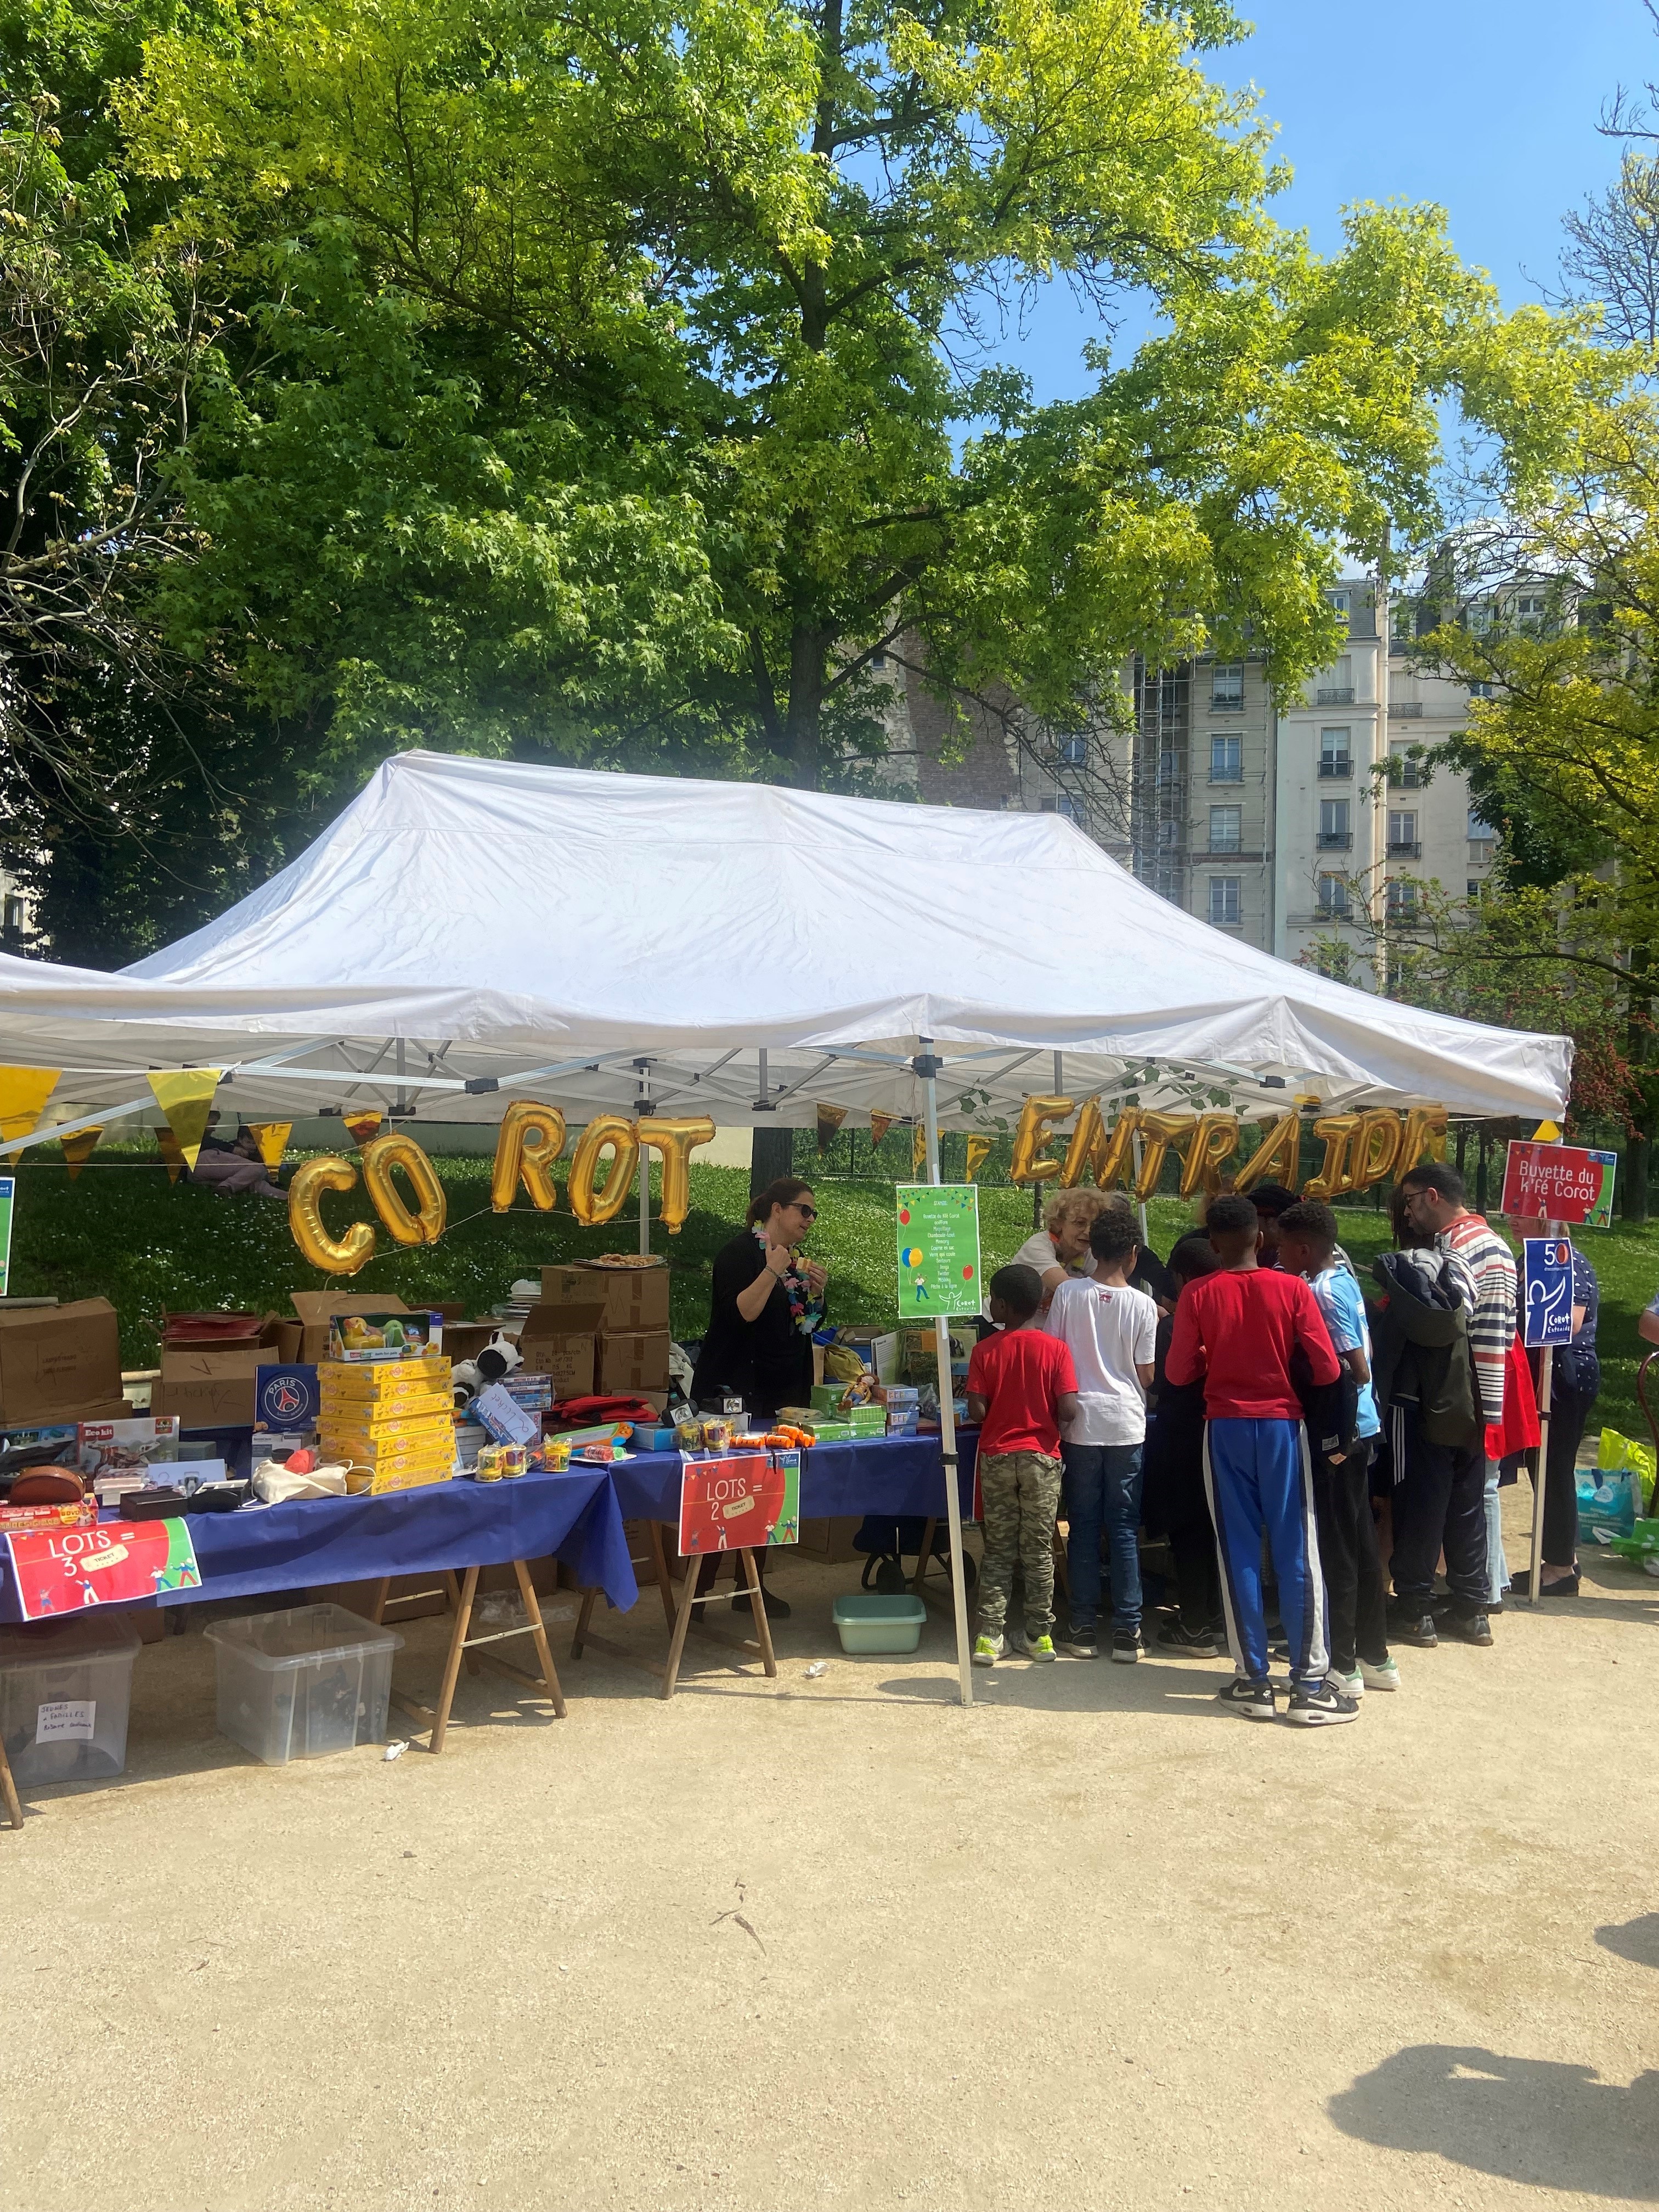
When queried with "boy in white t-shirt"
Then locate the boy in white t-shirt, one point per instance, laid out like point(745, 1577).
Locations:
point(1111, 1331)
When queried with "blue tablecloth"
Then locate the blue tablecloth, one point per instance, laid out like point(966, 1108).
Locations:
point(409, 1532)
point(901, 1475)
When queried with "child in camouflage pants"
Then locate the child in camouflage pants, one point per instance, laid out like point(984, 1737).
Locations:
point(1021, 1387)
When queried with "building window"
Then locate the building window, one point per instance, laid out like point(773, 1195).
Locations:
point(1483, 690)
point(1479, 829)
point(14, 916)
point(1406, 767)
point(1226, 760)
point(1402, 901)
point(1335, 832)
point(1225, 825)
point(1224, 901)
point(1335, 753)
point(1341, 604)
point(1070, 807)
point(1073, 752)
point(1529, 610)
point(1336, 687)
point(1472, 887)
point(1169, 767)
point(1227, 687)
point(1168, 834)
point(1334, 896)
point(1401, 623)
point(1402, 836)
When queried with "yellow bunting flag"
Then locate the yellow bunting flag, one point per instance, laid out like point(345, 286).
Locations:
point(168, 1146)
point(185, 1097)
point(23, 1095)
point(880, 1125)
point(271, 1137)
point(363, 1126)
point(1546, 1132)
point(979, 1151)
point(830, 1121)
point(918, 1148)
point(78, 1149)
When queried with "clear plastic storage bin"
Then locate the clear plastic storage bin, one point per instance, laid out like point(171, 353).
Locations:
point(64, 1689)
point(300, 1684)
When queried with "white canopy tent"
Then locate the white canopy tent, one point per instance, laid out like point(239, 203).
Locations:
point(469, 932)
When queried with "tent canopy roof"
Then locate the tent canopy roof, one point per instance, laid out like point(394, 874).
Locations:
point(550, 928)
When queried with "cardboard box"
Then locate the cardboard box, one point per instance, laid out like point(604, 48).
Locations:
point(306, 1344)
point(558, 1336)
point(831, 1542)
point(637, 1361)
point(213, 1387)
point(382, 1383)
point(384, 1336)
point(635, 1298)
point(58, 1362)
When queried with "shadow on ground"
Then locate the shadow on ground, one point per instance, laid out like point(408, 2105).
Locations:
point(1528, 2120)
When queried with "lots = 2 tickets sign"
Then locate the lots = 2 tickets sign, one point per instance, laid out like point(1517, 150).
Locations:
point(741, 1501)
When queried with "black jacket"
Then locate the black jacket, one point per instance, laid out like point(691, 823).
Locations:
point(1420, 1344)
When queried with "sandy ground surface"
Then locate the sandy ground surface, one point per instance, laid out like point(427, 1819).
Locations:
point(838, 1942)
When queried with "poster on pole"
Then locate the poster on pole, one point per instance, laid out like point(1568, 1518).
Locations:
point(1545, 1291)
point(8, 1193)
point(937, 1239)
point(1559, 1182)
point(742, 1500)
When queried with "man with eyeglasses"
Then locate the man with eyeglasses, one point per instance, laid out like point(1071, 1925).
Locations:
point(1448, 1496)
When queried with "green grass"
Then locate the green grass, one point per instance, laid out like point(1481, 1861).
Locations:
point(124, 1232)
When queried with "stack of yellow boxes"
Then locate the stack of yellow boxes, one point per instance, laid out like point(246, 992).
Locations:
point(392, 1419)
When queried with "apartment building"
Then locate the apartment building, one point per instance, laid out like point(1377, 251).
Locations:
point(1306, 829)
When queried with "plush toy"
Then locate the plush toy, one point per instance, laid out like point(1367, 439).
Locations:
point(499, 1358)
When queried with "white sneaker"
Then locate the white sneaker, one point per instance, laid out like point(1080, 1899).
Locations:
point(1352, 1685)
point(1385, 1677)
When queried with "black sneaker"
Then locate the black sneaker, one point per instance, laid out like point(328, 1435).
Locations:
point(1079, 1644)
point(1412, 1624)
point(1254, 1700)
point(1323, 1706)
point(1468, 1628)
point(1189, 1642)
point(1126, 1646)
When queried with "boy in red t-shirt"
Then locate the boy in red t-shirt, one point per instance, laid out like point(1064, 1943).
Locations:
point(1241, 1330)
point(1021, 1387)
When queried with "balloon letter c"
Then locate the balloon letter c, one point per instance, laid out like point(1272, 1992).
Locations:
point(311, 1179)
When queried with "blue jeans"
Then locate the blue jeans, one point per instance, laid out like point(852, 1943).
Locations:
point(1102, 1491)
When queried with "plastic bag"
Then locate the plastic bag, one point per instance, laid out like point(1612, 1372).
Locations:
point(1606, 1508)
point(1618, 1452)
point(1641, 1544)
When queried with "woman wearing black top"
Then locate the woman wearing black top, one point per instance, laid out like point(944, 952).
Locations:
point(765, 1306)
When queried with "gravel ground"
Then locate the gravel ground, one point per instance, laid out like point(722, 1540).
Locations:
point(836, 1943)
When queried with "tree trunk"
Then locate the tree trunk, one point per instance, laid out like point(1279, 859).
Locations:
point(807, 646)
point(1638, 1154)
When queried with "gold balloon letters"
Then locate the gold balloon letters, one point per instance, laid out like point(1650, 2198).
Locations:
point(674, 1136)
point(593, 1206)
point(532, 1139)
point(1360, 1149)
point(1034, 1132)
point(305, 1218)
point(394, 1150)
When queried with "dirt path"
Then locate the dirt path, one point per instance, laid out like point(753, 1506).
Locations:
point(1096, 1943)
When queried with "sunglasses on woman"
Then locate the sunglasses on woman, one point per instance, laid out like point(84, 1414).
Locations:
point(806, 1212)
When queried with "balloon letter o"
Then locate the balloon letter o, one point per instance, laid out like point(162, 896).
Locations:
point(593, 1208)
point(394, 1150)
point(311, 1179)
point(673, 1136)
point(532, 1139)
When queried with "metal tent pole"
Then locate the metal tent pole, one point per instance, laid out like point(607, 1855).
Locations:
point(927, 1068)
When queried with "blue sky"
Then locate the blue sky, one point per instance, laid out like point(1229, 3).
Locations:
point(1489, 109)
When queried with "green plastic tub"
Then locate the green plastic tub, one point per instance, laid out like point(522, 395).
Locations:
point(879, 1624)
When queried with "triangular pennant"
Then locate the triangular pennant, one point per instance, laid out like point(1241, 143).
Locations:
point(271, 1137)
point(979, 1151)
point(171, 1151)
point(363, 1126)
point(185, 1097)
point(830, 1121)
point(880, 1125)
point(78, 1149)
point(1546, 1132)
point(918, 1148)
point(23, 1095)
